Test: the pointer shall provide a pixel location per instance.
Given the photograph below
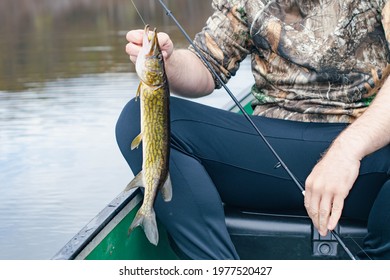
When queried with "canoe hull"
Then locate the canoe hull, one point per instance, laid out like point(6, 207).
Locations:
point(256, 235)
point(106, 236)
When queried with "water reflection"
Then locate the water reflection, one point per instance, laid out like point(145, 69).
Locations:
point(64, 77)
point(48, 39)
point(59, 164)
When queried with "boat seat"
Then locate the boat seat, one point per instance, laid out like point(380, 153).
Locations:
point(262, 235)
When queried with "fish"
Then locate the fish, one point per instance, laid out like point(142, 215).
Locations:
point(153, 93)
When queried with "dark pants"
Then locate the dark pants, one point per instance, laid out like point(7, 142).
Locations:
point(216, 156)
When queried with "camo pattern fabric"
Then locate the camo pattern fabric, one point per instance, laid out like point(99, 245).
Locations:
point(312, 60)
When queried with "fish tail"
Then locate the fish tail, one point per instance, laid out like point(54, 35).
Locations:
point(148, 223)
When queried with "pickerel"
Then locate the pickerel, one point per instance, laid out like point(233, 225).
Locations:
point(153, 92)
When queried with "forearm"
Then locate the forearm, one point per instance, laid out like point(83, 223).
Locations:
point(187, 75)
point(369, 132)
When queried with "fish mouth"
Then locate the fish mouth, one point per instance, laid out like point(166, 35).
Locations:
point(151, 41)
point(149, 64)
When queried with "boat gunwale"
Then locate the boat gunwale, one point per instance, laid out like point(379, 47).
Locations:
point(85, 236)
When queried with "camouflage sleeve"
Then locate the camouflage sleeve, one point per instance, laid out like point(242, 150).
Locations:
point(386, 21)
point(225, 40)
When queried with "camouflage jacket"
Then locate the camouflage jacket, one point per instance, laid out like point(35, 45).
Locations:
point(312, 60)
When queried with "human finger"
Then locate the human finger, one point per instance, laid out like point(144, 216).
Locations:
point(132, 49)
point(166, 44)
point(337, 209)
point(307, 193)
point(313, 209)
point(133, 59)
point(135, 36)
point(324, 214)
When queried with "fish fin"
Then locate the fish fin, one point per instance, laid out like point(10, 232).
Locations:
point(166, 190)
point(138, 91)
point(137, 140)
point(136, 182)
point(148, 223)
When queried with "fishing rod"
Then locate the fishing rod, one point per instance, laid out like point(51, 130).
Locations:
point(246, 115)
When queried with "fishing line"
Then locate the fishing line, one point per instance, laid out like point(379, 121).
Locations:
point(360, 248)
point(246, 115)
point(139, 14)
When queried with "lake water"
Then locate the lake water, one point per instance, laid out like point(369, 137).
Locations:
point(64, 78)
point(59, 164)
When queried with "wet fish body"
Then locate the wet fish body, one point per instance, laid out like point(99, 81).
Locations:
point(153, 93)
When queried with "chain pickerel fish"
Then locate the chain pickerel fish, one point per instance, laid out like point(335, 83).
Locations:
point(153, 93)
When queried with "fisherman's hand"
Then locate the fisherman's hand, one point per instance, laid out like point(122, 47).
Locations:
point(135, 43)
point(327, 186)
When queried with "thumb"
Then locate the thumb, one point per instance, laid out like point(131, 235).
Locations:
point(166, 44)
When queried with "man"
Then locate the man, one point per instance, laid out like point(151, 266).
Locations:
point(321, 98)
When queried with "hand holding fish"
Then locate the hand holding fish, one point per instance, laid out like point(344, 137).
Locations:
point(135, 38)
point(186, 73)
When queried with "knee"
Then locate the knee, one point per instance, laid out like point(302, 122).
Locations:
point(377, 241)
point(380, 213)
